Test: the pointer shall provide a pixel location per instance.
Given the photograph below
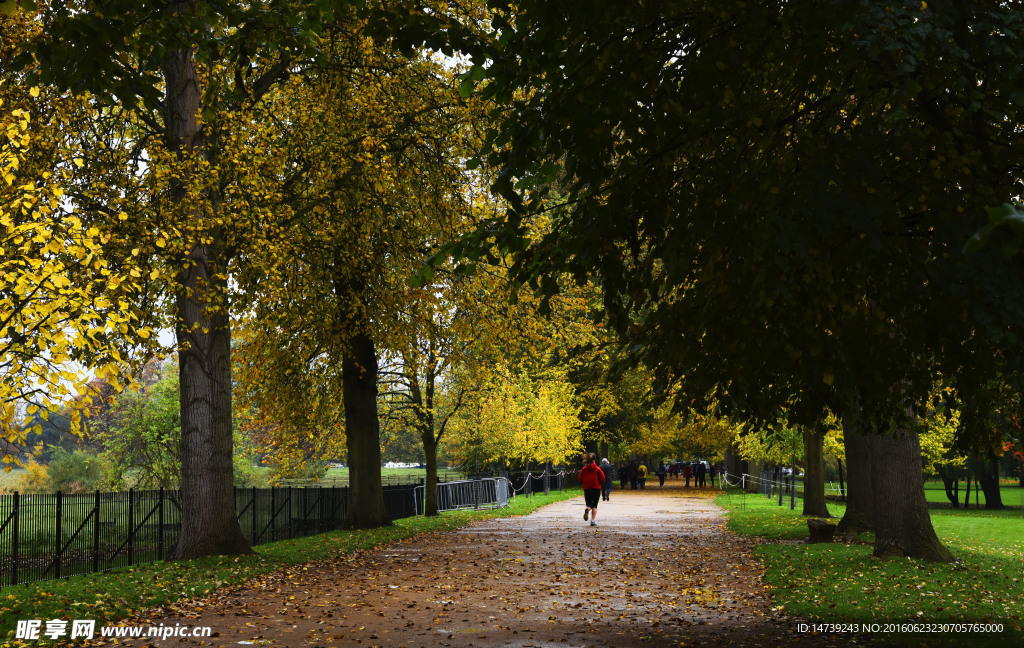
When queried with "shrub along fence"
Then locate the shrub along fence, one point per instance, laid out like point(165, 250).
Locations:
point(51, 536)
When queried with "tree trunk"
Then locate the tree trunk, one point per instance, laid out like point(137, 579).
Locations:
point(860, 511)
point(430, 487)
point(906, 528)
point(967, 490)
point(209, 525)
point(814, 478)
point(988, 479)
point(949, 482)
point(362, 435)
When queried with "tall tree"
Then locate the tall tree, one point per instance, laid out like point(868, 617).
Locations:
point(183, 72)
point(378, 138)
point(757, 211)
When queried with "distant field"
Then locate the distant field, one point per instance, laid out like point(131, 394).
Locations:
point(8, 479)
point(1011, 493)
point(339, 476)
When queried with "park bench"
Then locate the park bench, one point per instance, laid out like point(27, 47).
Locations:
point(821, 531)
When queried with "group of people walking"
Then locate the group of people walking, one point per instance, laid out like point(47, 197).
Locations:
point(596, 479)
point(698, 471)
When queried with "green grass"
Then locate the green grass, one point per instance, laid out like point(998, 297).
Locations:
point(841, 582)
point(114, 595)
point(9, 479)
point(1009, 491)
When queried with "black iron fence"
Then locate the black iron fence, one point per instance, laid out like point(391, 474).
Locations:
point(51, 536)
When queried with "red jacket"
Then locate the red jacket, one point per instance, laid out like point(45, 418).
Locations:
point(591, 476)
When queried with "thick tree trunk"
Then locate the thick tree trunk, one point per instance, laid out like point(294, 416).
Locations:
point(860, 511)
point(906, 528)
point(814, 478)
point(430, 488)
point(362, 434)
point(988, 478)
point(209, 525)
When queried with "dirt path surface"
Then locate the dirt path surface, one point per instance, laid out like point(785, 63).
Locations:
point(659, 569)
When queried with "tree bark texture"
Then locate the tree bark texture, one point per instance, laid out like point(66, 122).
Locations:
point(814, 477)
point(362, 435)
point(860, 511)
point(906, 527)
point(430, 487)
point(209, 525)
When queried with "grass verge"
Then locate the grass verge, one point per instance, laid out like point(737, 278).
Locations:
point(109, 596)
point(843, 582)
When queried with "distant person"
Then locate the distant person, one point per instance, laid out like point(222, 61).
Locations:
point(661, 471)
point(609, 476)
point(702, 473)
point(623, 471)
point(687, 472)
point(634, 474)
point(592, 480)
point(641, 476)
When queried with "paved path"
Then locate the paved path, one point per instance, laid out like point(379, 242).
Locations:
point(658, 570)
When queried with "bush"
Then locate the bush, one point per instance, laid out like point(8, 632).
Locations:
point(33, 480)
point(249, 475)
point(75, 471)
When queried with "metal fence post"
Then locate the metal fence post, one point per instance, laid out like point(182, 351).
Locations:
point(96, 533)
point(57, 552)
point(131, 526)
point(252, 509)
point(160, 521)
point(14, 548)
point(273, 513)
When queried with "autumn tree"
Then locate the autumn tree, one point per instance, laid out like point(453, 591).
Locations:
point(63, 303)
point(518, 420)
point(379, 139)
point(182, 76)
point(774, 227)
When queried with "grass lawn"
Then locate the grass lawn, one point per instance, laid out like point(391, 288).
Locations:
point(834, 583)
point(9, 479)
point(113, 595)
point(1010, 492)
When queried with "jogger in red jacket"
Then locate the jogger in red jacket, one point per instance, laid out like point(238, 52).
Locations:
point(591, 478)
